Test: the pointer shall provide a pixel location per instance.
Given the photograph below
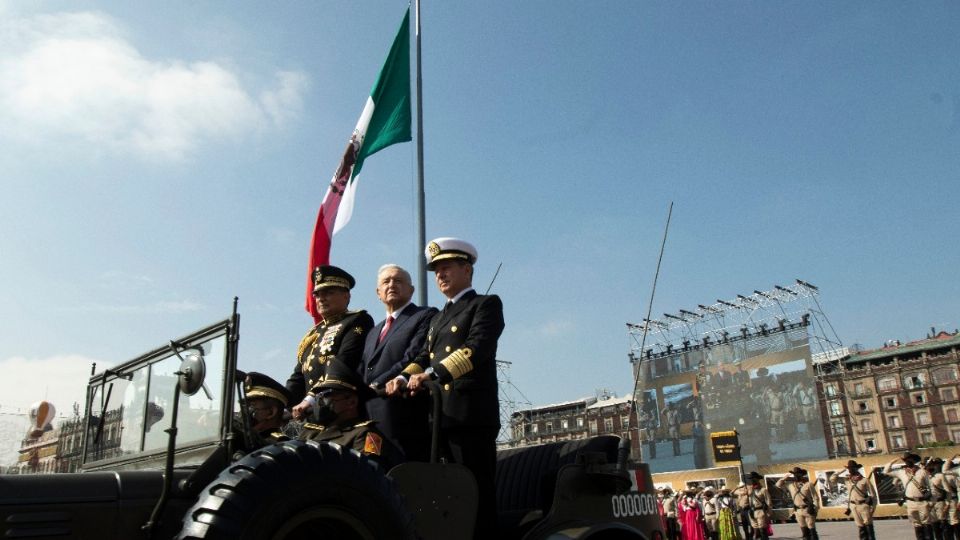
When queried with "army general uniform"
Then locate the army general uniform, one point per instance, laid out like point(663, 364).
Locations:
point(860, 501)
point(461, 351)
point(341, 336)
point(916, 484)
point(804, 498)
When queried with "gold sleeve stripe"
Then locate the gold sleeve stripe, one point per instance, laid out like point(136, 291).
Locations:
point(458, 363)
point(413, 369)
point(306, 342)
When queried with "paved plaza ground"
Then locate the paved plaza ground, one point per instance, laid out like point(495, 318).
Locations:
point(893, 529)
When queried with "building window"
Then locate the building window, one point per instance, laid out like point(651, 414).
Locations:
point(534, 428)
point(914, 380)
point(923, 418)
point(926, 437)
point(862, 405)
point(624, 422)
point(838, 429)
point(830, 390)
point(945, 375)
point(891, 402)
point(896, 442)
point(893, 421)
point(549, 427)
point(593, 427)
point(608, 425)
point(858, 388)
point(888, 383)
point(952, 415)
point(955, 435)
point(564, 424)
point(579, 421)
point(866, 424)
point(919, 399)
point(834, 408)
point(871, 444)
point(948, 394)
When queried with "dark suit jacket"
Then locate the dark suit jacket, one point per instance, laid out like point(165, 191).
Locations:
point(340, 338)
point(402, 420)
point(462, 349)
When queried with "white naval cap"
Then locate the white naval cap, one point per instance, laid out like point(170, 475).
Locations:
point(444, 248)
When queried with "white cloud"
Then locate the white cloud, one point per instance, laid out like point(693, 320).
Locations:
point(555, 328)
point(77, 77)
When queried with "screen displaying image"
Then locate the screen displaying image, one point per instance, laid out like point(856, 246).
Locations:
point(762, 387)
point(889, 489)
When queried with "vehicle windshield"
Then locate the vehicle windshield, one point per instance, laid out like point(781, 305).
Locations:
point(130, 410)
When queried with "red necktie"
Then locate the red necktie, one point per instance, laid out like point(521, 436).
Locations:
point(386, 328)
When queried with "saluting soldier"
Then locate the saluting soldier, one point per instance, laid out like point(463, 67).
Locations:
point(742, 493)
point(340, 335)
point(266, 400)
point(804, 498)
point(670, 514)
point(860, 500)
point(939, 499)
point(760, 506)
point(916, 490)
point(461, 354)
point(339, 417)
point(710, 513)
point(952, 485)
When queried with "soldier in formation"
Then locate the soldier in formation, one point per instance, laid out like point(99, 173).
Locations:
point(916, 487)
point(803, 496)
point(760, 506)
point(742, 495)
point(860, 500)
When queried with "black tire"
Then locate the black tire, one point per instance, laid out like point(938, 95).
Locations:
point(299, 490)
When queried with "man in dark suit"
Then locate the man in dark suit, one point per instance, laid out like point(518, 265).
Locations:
point(389, 347)
point(339, 335)
point(460, 354)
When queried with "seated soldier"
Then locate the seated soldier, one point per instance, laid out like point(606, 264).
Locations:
point(266, 399)
point(337, 417)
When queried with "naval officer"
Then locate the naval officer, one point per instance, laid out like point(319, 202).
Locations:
point(460, 354)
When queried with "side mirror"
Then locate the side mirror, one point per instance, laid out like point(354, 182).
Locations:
point(192, 372)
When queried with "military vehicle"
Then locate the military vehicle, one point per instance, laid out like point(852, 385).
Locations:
point(205, 476)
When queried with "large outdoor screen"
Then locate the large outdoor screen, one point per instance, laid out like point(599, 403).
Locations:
point(761, 385)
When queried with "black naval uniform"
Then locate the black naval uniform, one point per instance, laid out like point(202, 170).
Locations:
point(462, 350)
point(360, 435)
point(339, 337)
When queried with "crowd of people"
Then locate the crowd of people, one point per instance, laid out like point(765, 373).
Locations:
point(706, 513)
point(364, 385)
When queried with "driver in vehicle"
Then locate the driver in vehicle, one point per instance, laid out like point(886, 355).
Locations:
point(338, 417)
point(266, 400)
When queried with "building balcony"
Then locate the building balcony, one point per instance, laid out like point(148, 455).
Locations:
point(888, 389)
point(868, 410)
point(836, 414)
point(896, 428)
point(869, 431)
point(860, 394)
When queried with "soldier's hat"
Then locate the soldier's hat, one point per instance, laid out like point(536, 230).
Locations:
point(331, 276)
point(911, 459)
point(935, 461)
point(340, 377)
point(258, 385)
point(797, 472)
point(666, 489)
point(445, 248)
point(708, 490)
point(853, 467)
point(754, 475)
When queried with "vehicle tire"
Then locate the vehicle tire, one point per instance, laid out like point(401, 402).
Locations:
point(299, 490)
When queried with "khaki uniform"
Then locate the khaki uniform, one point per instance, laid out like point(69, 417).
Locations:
point(710, 510)
point(804, 498)
point(862, 503)
point(670, 514)
point(760, 505)
point(916, 492)
point(951, 483)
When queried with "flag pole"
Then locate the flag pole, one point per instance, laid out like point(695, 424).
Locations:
point(421, 196)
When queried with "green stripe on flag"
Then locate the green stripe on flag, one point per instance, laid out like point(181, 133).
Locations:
point(390, 123)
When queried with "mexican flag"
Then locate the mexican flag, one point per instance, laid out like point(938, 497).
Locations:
point(385, 120)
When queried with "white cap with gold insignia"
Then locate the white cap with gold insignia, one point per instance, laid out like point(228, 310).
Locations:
point(449, 248)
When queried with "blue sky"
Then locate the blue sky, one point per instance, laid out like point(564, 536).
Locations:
point(158, 159)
